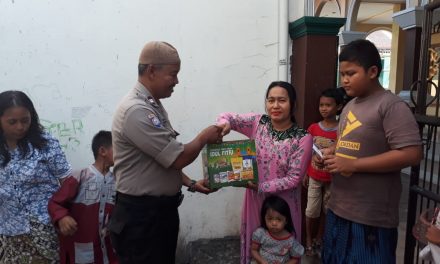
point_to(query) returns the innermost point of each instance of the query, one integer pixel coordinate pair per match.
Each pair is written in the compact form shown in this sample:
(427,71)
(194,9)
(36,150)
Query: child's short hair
(102,139)
(363,52)
(281,206)
(335,94)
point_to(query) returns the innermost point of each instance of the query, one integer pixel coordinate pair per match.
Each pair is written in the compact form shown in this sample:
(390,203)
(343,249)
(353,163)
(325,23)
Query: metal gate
(424,178)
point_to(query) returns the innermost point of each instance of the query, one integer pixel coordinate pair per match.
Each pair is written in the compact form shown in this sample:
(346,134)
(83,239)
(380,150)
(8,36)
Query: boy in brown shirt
(377,137)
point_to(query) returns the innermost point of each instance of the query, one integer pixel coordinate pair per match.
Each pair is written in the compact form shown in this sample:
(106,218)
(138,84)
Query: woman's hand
(226,128)
(67,225)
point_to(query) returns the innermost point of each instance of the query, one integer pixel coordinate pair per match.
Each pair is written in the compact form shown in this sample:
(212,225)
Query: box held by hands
(231,163)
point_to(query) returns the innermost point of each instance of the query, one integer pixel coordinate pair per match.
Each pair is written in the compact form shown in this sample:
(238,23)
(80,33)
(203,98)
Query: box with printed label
(231,163)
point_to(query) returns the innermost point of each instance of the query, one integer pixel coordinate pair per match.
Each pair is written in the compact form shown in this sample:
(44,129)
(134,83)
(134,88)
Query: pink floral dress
(282,159)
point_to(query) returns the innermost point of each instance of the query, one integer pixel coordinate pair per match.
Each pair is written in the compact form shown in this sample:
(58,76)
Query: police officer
(149,161)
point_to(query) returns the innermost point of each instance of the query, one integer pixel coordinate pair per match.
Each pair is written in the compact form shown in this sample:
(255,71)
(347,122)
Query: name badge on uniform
(154,120)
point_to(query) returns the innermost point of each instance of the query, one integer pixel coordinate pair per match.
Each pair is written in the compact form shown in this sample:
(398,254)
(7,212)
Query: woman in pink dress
(283,152)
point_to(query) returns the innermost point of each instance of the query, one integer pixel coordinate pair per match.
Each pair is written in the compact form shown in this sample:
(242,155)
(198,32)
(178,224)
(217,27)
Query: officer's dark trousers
(144,229)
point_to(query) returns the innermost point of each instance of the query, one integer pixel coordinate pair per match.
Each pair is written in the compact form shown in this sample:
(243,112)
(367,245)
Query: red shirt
(322,138)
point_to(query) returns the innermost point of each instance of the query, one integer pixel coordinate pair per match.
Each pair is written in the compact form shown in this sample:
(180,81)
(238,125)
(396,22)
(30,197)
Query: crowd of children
(352,177)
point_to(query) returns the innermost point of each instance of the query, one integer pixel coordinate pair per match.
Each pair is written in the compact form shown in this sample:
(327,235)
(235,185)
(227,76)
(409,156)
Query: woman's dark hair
(280,205)
(290,91)
(34,135)
(102,139)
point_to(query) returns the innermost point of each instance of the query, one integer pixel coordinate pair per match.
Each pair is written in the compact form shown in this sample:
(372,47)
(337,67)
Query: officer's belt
(150,201)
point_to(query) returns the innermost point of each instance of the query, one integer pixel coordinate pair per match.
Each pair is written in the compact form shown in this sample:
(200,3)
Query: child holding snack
(283,151)
(81,208)
(274,241)
(317,180)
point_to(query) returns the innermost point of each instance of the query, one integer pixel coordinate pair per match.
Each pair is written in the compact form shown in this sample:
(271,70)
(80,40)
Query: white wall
(76,59)
(298,9)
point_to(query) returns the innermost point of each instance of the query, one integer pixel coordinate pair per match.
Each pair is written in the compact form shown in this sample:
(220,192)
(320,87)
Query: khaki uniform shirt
(144,147)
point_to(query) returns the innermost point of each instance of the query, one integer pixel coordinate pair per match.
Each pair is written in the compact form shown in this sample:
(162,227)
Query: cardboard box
(231,163)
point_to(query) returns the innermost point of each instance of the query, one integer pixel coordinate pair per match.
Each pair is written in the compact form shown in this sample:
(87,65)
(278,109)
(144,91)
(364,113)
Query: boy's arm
(58,205)
(255,247)
(392,160)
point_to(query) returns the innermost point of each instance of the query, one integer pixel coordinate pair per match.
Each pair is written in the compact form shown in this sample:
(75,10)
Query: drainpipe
(283,39)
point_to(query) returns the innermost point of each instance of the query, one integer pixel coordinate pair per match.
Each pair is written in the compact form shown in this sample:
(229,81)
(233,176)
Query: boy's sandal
(309,251)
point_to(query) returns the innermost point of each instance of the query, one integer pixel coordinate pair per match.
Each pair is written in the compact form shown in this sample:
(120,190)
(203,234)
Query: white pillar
(283,39)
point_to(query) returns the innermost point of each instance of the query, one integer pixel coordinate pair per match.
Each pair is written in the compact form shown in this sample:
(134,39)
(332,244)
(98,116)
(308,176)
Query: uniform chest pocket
(92,191)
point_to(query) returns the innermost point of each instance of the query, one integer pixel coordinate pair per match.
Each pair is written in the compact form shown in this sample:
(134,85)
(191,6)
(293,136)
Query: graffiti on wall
(68,133)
